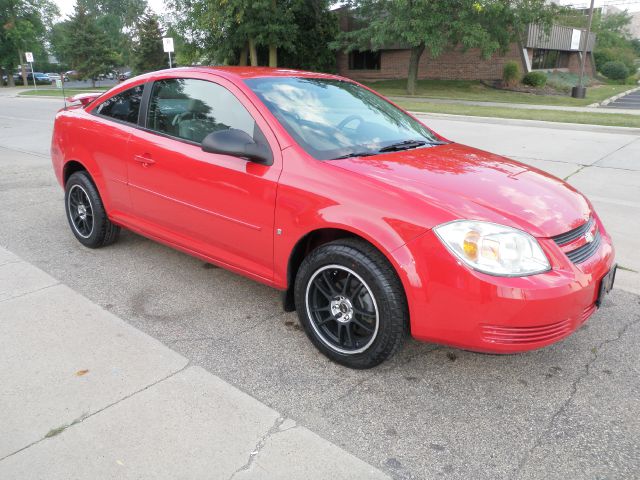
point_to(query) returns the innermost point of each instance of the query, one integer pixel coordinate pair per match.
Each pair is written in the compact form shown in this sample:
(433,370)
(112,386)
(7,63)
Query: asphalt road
(628,101)
(568,411)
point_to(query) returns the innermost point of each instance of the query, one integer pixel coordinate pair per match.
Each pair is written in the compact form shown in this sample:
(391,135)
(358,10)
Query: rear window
(124,107)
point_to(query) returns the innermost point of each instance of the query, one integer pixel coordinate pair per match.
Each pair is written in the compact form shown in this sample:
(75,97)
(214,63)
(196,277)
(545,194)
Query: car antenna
(64,97)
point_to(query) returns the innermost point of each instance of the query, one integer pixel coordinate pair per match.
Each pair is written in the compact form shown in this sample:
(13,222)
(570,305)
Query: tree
(232,31)
(148,54)
(23,27)
(88,46)
(118,20)
(317,27)
(438,25)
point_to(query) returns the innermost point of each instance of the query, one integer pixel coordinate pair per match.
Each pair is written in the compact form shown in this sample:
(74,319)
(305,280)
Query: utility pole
(580,91)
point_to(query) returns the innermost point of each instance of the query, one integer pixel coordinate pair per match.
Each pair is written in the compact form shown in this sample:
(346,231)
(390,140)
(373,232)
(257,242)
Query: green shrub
(615,70)
(535,79)
(615,54)
(511,73)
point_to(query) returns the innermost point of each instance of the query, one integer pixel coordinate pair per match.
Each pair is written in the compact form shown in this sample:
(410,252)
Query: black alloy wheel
(342,309)
(351,303)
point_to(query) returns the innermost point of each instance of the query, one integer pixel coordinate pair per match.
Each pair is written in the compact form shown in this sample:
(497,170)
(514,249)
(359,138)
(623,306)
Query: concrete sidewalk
(86,395)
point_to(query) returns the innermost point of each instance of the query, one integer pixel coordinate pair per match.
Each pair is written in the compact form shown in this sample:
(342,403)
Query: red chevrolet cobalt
(371,224)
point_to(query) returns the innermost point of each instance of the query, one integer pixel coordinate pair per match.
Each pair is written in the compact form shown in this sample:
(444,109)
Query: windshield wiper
(407,144)
(355,154)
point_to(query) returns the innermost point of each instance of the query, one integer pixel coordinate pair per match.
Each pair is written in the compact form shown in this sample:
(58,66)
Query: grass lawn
(57,92)
(476,91)
(608,119)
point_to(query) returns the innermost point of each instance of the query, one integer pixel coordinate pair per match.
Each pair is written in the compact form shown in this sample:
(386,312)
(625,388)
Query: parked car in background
(124,76)
(39,76)
(371,224)
(56,76)
(17,78)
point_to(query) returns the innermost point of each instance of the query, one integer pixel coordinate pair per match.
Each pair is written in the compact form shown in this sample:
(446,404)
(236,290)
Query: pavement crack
(29,292)
(58,430)
(577,171)
(275,428)
(595,351)
(615,151)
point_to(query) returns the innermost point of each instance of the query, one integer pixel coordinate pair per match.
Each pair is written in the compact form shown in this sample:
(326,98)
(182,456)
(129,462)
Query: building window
(366,60)
(548,59)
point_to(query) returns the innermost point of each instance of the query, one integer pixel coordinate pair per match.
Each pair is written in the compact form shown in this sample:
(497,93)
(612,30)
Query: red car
(371,224)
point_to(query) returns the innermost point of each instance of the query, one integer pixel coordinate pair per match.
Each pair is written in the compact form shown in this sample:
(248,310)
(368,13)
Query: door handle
(145,159)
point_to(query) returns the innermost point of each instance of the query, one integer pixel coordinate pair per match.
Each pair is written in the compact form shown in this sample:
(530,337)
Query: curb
(614,98)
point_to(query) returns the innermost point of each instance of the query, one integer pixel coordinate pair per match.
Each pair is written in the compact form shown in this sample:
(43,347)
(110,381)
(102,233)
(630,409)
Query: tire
(86,214)
(351,303)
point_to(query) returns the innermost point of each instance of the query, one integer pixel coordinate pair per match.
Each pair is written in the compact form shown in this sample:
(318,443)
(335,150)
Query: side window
(124,106)
(192,109)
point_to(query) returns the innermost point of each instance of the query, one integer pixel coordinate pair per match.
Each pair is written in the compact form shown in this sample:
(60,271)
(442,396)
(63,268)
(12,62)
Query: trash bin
(579,92)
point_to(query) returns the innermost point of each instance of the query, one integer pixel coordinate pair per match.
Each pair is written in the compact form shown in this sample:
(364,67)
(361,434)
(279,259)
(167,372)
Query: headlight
(493,249)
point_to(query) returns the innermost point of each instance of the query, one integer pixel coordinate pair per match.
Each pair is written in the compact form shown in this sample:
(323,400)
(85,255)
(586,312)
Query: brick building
(560,49)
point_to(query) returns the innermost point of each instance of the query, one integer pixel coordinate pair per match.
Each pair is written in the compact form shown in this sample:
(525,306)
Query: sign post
(580,91)
(29,57)
(167,44)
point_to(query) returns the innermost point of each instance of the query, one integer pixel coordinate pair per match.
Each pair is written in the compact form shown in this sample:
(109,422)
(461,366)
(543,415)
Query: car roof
(241,73)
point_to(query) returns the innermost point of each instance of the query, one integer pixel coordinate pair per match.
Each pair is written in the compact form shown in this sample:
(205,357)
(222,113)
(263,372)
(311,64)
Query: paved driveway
(568,411)
(631,101)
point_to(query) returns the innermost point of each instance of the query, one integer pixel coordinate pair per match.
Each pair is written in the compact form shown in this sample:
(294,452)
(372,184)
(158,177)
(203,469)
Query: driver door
(216,205)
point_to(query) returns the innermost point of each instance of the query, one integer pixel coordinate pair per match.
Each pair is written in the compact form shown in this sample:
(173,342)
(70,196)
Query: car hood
(473,184)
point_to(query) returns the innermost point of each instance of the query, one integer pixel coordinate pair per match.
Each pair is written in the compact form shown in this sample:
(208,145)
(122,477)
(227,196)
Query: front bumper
(452,304)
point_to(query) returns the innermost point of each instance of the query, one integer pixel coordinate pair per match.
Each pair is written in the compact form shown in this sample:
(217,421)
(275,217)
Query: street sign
(58,83)
(29,56)
(167,43)
(576,35)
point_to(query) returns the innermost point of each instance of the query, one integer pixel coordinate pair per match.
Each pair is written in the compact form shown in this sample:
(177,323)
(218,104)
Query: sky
(630,5)
(66,6)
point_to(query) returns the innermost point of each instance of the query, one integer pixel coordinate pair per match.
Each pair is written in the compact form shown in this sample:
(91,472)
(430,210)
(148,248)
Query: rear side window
(192,109)
(124,107)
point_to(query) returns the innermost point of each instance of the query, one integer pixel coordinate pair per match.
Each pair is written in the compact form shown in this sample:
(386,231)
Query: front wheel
(351,303)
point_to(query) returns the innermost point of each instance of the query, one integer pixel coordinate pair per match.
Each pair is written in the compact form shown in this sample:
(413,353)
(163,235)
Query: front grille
(580,254)
(571,235)
(525,335)
(583,252)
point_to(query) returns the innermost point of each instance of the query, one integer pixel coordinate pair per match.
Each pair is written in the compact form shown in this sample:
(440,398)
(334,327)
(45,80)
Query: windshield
(334,119)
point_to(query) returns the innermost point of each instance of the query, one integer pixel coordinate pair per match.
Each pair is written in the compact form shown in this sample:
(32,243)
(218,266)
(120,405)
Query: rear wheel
(351,303)
(85,212)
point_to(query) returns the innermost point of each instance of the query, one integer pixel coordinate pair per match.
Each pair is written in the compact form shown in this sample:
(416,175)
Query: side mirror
(237,143)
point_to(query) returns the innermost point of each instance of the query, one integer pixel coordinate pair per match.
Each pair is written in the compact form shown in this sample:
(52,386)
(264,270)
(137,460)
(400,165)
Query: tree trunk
(244,54)
(23,69)
(414,63)
(10,80)
(273,56)
(253,53)
(2,75)
(273,49)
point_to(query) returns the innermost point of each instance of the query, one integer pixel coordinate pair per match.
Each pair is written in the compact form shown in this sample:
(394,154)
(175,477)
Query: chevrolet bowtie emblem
(588,237)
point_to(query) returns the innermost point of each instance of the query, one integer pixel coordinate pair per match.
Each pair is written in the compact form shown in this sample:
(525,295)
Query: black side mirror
(237,143)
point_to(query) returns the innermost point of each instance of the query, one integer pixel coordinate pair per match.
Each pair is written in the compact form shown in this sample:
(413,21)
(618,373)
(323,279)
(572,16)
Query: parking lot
(568,411)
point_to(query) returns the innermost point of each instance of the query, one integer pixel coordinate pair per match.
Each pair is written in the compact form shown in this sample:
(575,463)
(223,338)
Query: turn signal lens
(470,245)
(493,249)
